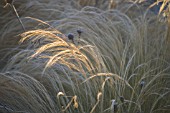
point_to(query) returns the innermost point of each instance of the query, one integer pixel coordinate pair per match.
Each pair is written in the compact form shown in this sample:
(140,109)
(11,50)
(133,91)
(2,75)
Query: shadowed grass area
(22,93)
(118,63)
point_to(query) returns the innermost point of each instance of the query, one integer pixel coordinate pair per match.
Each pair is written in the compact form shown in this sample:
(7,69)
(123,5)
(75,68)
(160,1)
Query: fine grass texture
(117,61)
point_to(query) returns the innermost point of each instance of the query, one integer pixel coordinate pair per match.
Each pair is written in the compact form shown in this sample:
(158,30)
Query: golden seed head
(75,102)
(76,105)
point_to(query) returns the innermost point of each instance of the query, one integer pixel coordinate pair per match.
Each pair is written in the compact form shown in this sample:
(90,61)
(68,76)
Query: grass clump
(114,62)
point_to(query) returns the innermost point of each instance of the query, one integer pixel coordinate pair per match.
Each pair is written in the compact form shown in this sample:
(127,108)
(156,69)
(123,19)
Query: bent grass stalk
(16,13)
(115,51)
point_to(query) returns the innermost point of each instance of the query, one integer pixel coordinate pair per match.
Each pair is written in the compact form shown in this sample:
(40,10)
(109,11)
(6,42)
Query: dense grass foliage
(83,56)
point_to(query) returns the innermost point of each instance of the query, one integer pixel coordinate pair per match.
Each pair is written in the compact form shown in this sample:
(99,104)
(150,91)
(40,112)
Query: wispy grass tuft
(118,64)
